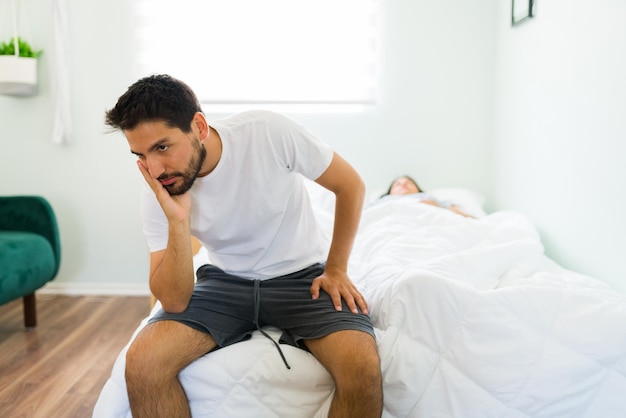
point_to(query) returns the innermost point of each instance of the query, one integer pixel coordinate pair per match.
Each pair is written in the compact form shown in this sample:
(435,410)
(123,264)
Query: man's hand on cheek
(175,207)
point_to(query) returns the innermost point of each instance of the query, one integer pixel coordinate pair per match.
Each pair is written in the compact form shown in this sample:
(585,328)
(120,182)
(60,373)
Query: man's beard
(189,175)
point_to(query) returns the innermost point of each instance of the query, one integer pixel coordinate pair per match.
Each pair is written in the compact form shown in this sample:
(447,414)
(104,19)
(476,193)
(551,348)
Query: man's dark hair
(155,98)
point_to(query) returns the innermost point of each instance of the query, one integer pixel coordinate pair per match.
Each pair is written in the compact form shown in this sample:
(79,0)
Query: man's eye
(163,147)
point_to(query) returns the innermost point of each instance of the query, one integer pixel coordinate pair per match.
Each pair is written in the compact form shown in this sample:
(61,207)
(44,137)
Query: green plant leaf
(8,48)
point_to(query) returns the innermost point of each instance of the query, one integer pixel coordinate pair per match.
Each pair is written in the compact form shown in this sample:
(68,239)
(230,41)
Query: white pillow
(466,199)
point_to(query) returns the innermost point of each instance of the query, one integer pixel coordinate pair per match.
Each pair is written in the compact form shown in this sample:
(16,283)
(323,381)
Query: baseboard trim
(95,289)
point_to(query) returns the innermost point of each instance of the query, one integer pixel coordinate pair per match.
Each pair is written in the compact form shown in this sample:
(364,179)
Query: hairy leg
(351,358)
(160,351)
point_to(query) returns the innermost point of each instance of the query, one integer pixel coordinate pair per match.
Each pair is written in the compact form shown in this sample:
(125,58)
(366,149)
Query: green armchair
(30,250)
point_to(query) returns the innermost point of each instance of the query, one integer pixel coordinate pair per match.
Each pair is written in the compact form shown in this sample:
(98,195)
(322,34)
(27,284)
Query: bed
(471,318)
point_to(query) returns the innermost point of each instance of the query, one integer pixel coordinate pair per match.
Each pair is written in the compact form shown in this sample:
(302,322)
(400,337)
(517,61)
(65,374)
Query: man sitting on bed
(238,186)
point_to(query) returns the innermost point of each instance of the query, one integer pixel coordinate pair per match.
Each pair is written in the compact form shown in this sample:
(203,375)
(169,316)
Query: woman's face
(403,185)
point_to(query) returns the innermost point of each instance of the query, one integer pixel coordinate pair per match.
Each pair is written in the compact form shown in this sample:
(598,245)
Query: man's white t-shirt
(252,212)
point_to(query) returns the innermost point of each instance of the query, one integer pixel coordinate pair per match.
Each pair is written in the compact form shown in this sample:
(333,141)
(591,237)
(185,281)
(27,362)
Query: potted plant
(18,68)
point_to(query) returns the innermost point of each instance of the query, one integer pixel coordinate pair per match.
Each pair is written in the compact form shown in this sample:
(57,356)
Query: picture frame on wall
(521,10)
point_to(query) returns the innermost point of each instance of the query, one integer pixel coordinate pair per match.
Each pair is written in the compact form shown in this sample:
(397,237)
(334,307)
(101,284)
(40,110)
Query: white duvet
(472,320)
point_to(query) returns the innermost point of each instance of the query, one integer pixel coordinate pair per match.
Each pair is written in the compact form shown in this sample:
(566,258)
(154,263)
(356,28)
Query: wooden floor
(58,369)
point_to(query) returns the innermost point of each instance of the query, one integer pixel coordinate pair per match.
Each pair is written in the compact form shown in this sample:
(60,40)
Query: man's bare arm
(172,275)
(343,180)
(171,270)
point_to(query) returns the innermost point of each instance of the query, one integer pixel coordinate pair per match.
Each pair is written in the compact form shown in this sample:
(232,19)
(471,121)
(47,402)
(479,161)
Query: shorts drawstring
(257,307)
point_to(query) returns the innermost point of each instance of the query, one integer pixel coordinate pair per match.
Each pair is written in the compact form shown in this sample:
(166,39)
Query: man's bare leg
(160,351)
(351,358)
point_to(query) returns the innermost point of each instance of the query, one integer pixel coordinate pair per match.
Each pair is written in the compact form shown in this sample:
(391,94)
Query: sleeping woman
(405,185)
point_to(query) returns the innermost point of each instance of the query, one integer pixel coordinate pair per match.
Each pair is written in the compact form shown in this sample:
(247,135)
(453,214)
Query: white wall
(433,120)
(454,77)
(91,183)
(560,130)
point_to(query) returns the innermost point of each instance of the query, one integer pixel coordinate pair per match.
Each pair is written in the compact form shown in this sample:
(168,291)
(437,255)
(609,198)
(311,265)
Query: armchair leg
(30,311)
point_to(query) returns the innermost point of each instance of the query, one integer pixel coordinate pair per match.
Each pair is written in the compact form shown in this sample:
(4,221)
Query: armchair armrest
(31,214)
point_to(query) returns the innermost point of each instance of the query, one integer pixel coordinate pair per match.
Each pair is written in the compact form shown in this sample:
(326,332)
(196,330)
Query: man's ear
(200,126)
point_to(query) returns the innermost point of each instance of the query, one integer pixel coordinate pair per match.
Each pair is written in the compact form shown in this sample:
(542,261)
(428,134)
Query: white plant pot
(18,75)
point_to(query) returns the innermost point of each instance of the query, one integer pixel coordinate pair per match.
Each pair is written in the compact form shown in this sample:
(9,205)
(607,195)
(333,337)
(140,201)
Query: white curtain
(59,75)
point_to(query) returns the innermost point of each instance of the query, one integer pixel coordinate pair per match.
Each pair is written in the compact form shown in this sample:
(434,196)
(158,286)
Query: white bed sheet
(472,320)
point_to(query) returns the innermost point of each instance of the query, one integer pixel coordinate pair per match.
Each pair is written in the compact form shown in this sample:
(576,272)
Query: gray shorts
(229,308)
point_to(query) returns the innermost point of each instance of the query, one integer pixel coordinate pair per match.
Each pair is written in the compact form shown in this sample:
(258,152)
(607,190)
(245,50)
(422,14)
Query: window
(285,52)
